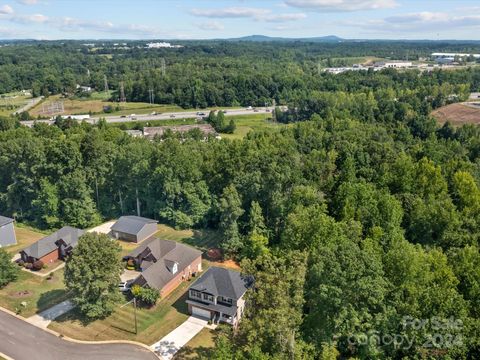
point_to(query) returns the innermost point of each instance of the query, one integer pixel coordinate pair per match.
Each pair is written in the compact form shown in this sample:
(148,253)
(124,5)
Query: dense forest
(211,73)
(360,221)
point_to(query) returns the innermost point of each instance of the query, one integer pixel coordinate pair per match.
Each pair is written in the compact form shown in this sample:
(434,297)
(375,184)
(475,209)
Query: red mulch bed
(214,254)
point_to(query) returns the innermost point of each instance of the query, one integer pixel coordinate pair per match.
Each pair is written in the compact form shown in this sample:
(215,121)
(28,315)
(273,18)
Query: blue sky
(204,19)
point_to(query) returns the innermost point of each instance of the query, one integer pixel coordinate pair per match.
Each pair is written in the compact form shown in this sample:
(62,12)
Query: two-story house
(218,295)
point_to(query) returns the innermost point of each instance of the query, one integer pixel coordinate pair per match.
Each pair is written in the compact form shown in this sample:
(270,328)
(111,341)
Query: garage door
(201,312)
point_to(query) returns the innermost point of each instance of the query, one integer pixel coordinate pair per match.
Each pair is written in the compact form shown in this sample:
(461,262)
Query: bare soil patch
(457,114)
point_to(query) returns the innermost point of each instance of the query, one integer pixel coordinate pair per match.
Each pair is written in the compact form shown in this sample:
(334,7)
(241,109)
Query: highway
(23,341)
(161,116)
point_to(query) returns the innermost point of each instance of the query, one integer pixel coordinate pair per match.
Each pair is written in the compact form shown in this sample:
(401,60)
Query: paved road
(31,103)
(23,341)
(163,116)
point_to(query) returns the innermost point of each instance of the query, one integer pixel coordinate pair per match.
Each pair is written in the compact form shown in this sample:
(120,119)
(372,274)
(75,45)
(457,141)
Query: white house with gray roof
(134,228)
(7,232)
(218,295)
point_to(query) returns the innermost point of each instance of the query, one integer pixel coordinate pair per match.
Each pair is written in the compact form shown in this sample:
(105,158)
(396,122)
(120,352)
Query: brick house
(52,247)
(218,295)
(164,264)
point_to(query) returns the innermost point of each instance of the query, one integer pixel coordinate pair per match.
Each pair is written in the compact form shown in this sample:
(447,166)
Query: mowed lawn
(25,237)
(37,293)
(255,122)
(199,346)
(153,323)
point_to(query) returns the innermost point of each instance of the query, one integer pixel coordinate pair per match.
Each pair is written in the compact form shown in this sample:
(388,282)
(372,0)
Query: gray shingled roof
(223,282)
(131,224)
(5,220)
(166,252)
(46,245)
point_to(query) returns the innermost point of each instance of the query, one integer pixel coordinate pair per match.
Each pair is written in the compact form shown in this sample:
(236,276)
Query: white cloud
(421,21)
(29,19)
(28,2)
(257,14)
(284,17)
(211,26)
(342,5)
(231,12)
(6,10)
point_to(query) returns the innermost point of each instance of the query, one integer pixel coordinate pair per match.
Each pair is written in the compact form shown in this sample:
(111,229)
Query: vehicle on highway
(172,116)
(201,113)
(249,108)
(154,113)
(123,116)
(255,110)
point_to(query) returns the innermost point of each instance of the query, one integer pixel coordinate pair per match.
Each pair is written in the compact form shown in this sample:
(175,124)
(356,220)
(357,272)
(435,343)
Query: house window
(196,294)
(225,300)
(208,297)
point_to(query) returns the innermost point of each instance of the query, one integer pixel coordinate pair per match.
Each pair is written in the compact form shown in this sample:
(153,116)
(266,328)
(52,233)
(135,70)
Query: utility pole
(135,312)
(138,202)
(163,66)
(122,93)
(105,83)
(151,96)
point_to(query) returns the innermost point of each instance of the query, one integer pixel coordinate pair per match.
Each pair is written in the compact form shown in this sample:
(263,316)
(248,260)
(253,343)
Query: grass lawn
(25,237)
(201,239)
(96,102)
(12,101)
(153,324)
(200,345)
(37,292)
(247,123)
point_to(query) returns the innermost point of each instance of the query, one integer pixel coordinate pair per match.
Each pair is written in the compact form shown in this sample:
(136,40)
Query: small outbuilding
(134,228)
(7,232)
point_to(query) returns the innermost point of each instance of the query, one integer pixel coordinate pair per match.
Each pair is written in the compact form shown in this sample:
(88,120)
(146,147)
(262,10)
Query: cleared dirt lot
(458,114)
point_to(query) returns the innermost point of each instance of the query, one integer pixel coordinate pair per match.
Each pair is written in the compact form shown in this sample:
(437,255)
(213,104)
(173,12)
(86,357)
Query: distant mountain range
(263,38)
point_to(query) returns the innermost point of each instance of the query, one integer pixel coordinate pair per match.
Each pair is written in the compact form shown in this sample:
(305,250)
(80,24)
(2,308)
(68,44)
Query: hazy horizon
(224,19)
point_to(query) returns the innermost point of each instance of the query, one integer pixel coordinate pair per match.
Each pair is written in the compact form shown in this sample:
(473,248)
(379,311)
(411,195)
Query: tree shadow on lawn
(202,239)
(180,305)
(188,352)
(51,298)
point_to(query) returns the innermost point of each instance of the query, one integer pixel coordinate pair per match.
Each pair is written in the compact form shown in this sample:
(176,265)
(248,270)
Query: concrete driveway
(44,318)
(104,228)
(167,347)
(23,341)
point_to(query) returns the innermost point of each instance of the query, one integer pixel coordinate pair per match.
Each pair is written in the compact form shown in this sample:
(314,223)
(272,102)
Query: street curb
(6,357)
(52,332)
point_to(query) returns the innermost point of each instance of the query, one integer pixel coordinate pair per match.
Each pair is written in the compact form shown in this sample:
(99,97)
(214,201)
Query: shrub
(8,269)
(37,265)
(28,266)
(21,262)
(149,296)
(136,290)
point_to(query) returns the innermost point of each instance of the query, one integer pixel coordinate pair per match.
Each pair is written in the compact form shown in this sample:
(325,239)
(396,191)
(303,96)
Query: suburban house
(52,247)
(164,264)
(7,232)
(218,295)
(134,228)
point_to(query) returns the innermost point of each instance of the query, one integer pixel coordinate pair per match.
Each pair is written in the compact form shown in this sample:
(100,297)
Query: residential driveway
(44,318)
(23,341)
(171,343)
(129,275)
(104,228)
